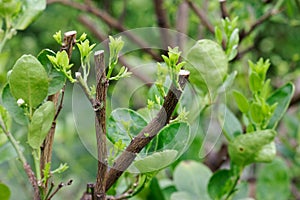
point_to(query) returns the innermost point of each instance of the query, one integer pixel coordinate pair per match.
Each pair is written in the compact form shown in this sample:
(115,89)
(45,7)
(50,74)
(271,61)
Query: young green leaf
(282,97)
(241,101)
(29,81)
(10,103)
(5,119)
(4,192)
(255,82)
(218,35)
(40,124)
(256,113)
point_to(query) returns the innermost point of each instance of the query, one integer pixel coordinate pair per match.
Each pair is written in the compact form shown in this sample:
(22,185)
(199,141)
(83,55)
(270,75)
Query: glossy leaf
(282,97)
(208,65)
(252,147)
(4,192)
(30,10)
(29,81)
(220,183)
(192,177)
(273,181)
(40,124)
(56,79)
(173,136)
(230,124)
(156,161)
(124,124)
(241,101)
(10,103)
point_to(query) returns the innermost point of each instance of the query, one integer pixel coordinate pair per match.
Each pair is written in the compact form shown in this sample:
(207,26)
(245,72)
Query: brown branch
(112,22)
(46,148)
(202,16)
(33,181)
(214,160)
(59,187)
(151,130)
(223,8)
(162,22)
(101,37)
(181,24)
(100,122)
(258,22)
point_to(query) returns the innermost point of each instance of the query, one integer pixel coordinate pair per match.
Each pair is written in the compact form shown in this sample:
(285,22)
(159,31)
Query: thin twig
(181,25)
(59,187)
(223,8)
(202,16)
(151,130)
(111,21)
(100,123)
(101,37)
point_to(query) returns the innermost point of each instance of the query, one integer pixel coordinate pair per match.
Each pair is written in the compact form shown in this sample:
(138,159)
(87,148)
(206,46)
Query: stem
(140,141)
(100,123)
(85,87)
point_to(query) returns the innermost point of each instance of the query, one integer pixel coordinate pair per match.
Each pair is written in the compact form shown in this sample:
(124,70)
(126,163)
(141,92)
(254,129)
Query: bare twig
(46,148)
(202,16)
(151,130)
(181,24)
(162,22)
(101,37)
(101,92)
(223,8)
(59,187)
(112,22)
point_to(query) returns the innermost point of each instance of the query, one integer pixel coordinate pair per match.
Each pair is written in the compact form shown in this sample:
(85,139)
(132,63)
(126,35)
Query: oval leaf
(192,177)
(220,183)
(4,192)
(282,97)
(208,65)
(156,161)
(29,81)
(241,101)
(10,103)
(124,124)
(40,124)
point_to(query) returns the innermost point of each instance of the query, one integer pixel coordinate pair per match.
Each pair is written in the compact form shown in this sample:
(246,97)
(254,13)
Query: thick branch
(100,122)
(162,22)
(151,130)
(101,37)
(46,148)
(111,21)
(202,16)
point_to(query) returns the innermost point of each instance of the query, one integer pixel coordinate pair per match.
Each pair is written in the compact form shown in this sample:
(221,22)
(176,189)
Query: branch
(59,187)
(181,24)
(140,141)
(100,122)
(162,22)
(202,16)
(223,8)
(111,21)
(101,37)
(46,148)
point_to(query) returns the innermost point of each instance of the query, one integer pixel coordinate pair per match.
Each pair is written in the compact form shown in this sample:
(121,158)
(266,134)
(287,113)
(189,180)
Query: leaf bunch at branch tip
(115,46)
(84,47)
(57,37)
(61,64)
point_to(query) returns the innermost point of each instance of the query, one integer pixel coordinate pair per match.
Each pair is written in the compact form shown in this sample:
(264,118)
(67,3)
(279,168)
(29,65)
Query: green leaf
(252,147)
(220,183)
(282,97)
(56,79)
(5,118)
(156,161)
(255,82)
(241,101)
(230,124)
(4,192)
(273,181)
(30,10)
(208,65)
(173,136)
(28,81)
(228,82)
(183,195)
(192,177)
(218,35)
(7,152)
(256,113)
(9,8)
(124,124)
(10,103)
(40,124)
